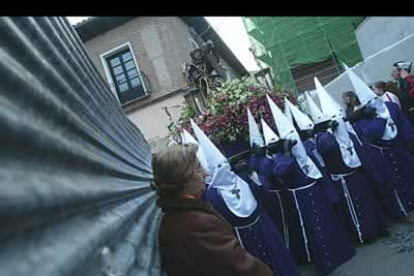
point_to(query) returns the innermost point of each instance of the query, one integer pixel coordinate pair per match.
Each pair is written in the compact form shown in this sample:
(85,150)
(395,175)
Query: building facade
(299,48)
(142,58)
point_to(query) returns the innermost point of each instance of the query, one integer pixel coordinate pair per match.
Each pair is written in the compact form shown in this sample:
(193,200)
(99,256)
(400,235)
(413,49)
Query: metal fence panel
(74,171)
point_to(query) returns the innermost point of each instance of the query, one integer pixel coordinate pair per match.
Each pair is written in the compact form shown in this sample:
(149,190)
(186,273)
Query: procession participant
(388,140)
(322,123)
(381,89)
(193,238)
(402,73)
(364,216)
(234,200)
(304,127)
(324,239)
(267,190)
(187,138)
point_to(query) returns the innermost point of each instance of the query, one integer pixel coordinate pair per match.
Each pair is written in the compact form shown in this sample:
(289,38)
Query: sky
(231,30)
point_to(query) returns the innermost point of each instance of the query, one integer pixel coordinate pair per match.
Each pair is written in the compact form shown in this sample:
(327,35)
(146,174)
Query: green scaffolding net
(283,43)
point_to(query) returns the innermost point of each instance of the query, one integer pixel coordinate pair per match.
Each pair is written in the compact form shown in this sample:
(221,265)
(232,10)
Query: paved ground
(388,256)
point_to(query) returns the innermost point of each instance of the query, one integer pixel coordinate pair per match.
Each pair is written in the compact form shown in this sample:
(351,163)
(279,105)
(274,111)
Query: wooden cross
(350,150)
(236,192)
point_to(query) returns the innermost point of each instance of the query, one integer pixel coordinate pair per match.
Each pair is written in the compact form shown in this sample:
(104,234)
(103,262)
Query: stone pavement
(388,256)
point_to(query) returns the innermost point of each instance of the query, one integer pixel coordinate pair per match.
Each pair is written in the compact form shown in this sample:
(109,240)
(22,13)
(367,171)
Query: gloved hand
(258,151)
(333,125)
(369,112)
(364,112)
(275,147)
(288,145)
(321,127)
(241,166)
(306,134)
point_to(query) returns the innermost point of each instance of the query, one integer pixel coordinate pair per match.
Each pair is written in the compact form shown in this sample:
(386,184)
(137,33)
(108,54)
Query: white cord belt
(395,191)
(236,229)
(378,147)
(351,208)
(302,224)
(400,203)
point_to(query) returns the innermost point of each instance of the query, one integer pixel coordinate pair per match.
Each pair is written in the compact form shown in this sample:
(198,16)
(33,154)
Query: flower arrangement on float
(225,118)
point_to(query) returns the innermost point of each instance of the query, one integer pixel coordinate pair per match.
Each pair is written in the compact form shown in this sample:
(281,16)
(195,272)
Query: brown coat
(196,241)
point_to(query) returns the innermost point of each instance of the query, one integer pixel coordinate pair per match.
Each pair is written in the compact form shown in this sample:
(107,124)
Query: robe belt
(285,226)
(351,208)
(400,203)
(302,224)
(379,146)
(236,229)
(395,191)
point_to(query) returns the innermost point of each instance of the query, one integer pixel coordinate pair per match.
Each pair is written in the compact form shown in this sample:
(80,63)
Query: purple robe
(271,194)
(389,165)
(364,218)
(326,183)
(314,230)
(258,235)
(204,194)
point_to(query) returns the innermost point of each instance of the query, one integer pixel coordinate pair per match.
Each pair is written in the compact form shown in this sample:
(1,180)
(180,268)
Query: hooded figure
(305,125)
(232,198)
(314,112)
(258,173)
(387,138)
(187,138)
(363,215)
(315,234)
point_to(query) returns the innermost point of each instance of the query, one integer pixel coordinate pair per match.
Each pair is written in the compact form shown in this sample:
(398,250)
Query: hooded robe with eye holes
(315,234)
(232,197)
(268,190)
(384,142)
(361,211)
(304,123)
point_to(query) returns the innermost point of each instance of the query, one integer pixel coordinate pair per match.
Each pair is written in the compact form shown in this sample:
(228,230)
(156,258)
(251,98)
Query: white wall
(152,119)
(376,33)
(374,68)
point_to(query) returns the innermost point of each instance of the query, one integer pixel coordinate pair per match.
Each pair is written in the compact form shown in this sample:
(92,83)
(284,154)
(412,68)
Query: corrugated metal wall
(74,171)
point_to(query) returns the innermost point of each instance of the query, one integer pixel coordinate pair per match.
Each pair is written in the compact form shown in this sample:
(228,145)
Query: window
(125,75)
(326,71)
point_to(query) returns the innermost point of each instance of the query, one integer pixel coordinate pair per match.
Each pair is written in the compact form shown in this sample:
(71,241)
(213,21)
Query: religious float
(224,118)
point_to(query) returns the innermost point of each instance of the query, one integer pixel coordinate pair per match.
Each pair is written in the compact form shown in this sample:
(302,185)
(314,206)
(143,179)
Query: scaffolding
(283,43)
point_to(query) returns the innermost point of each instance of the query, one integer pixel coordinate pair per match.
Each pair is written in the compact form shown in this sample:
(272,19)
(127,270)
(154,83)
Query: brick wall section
(160,46)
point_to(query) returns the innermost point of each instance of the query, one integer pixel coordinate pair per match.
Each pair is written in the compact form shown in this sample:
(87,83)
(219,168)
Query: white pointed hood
(329,106)
(269,134)
(288,131)
(255,136)
(288,112)
(314,112)
(334,111)
(284,127)
(187,138)
(367,97)
(302,120)
(236,192)
(364,93)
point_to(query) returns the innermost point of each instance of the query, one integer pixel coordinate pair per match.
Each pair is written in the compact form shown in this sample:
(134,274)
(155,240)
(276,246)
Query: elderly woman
(194,239)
